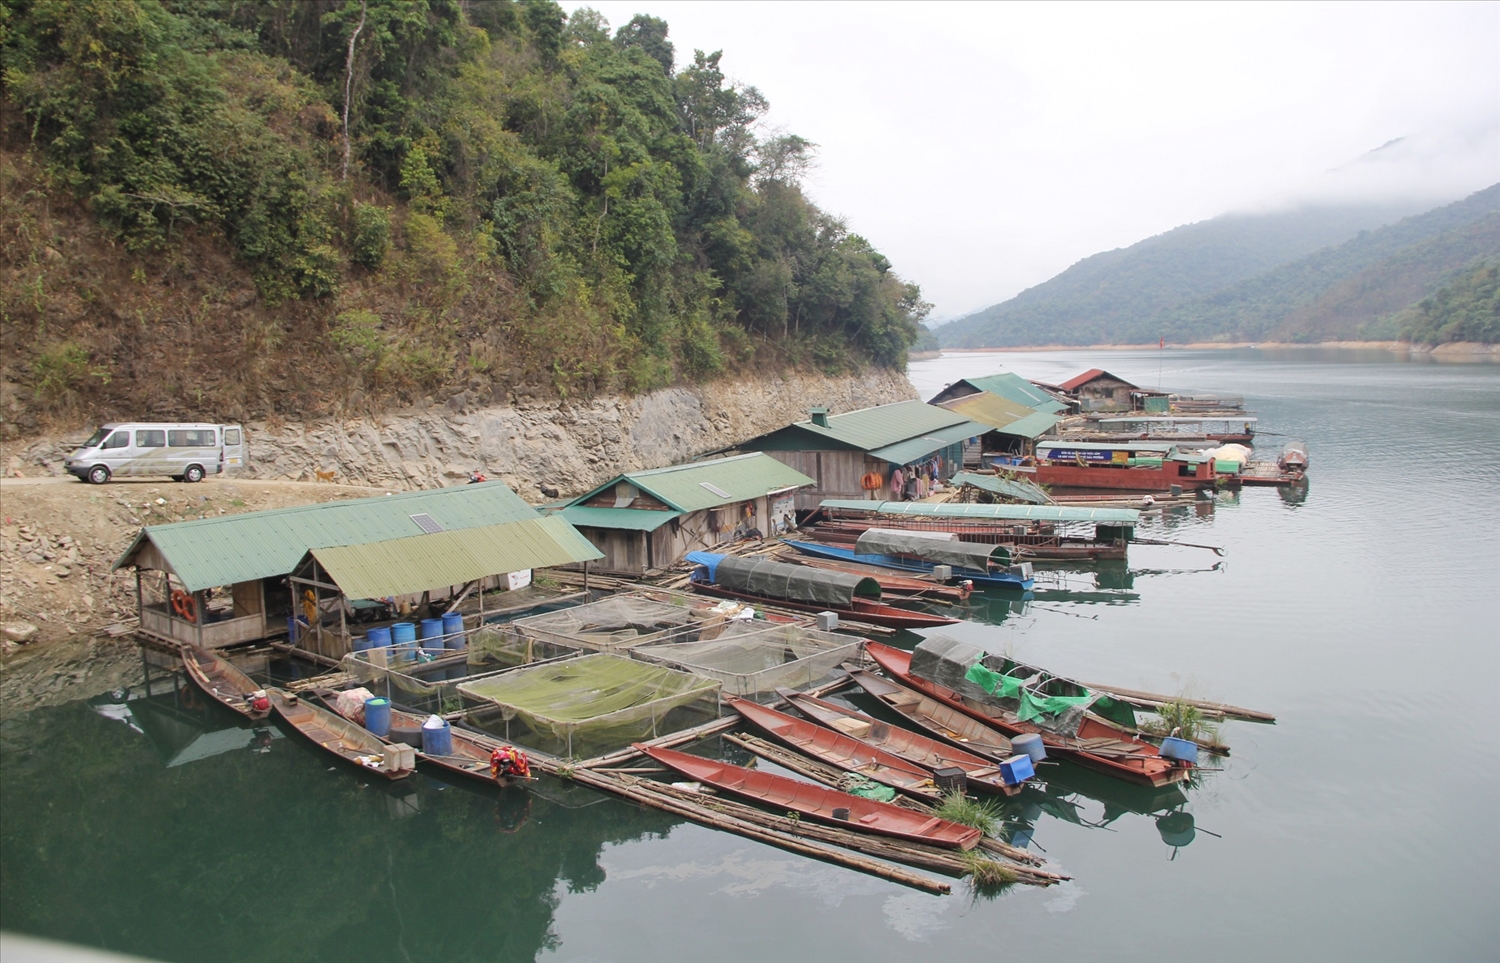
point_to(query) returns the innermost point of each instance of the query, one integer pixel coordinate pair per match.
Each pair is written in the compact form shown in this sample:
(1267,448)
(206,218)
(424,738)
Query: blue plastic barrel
(1031,744)
(431,629)
(437,737)
(362,642)
(404,632)
(379,637)
(1181,750)
(378,716)
(453,631)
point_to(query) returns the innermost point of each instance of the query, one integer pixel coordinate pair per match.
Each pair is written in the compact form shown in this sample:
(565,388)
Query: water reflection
(1086,798)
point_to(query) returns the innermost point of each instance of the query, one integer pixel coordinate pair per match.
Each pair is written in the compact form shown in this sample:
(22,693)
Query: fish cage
(752,659)
(399,673)
(592,703)
(617,624)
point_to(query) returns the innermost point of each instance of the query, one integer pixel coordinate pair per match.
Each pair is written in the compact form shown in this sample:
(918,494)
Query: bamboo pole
(1223,708)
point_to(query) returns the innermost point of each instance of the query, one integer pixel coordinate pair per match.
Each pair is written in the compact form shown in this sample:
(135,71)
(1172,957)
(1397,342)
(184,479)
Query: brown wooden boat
(469,758)
(349,742)
(937,718)
(1031,545)
(876,613)
(840,749)
(1098,744)
(930,754)
(816,802)
(221,681)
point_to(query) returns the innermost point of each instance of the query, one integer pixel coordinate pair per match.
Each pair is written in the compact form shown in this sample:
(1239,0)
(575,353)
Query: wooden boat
(225,684)
(920,750)
(937,718)
(904,563)
(332,732)
(784,793)
(890,583)
(840,749)
(1108,467)
(860,610)
(1098,744)
(1032,543)
(469,759)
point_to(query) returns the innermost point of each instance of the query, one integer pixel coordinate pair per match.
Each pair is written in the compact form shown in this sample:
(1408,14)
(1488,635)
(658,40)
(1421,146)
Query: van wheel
(98,475)
(194,473)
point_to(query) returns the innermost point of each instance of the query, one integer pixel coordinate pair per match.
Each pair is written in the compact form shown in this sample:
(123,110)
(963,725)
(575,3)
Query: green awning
(1019,488)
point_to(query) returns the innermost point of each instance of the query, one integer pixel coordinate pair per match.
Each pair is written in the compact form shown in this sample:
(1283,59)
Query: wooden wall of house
(836,474)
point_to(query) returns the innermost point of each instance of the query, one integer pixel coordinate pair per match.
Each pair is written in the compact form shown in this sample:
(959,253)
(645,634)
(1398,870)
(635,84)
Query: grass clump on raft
(987,877)
(1187,720)
(958,808)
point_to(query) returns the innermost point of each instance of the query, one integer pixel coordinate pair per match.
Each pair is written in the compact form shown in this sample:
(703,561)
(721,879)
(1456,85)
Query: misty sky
(985,147)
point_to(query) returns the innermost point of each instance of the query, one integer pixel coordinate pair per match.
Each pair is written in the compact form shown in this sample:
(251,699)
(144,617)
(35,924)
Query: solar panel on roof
(427,523)
(714,488)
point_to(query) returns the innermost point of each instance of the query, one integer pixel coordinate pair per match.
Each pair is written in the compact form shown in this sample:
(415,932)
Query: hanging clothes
(898,481)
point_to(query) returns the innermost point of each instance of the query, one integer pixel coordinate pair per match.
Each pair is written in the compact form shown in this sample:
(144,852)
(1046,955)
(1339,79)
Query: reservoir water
(1361,826)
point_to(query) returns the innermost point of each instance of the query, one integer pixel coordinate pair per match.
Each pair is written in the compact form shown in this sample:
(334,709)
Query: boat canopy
(1020,488)
(1028,513)
(942,548)
(795,583)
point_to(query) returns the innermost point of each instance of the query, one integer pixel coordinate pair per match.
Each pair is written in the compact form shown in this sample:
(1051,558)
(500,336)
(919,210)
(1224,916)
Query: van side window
(150,438)
(191,438)
(231,436)
(120,439)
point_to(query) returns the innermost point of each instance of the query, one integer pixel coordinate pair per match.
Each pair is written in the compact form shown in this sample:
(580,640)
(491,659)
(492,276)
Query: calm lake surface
(1361,826)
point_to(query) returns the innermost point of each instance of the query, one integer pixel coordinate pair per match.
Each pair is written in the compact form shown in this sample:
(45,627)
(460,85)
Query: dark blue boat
(906,563)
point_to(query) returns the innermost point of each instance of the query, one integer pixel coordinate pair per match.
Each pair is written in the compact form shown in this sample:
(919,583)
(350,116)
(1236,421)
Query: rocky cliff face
(567,446)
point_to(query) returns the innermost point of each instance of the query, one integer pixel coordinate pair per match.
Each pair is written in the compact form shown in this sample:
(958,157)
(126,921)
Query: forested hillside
(214,208)
(1465,308)
(1350,289)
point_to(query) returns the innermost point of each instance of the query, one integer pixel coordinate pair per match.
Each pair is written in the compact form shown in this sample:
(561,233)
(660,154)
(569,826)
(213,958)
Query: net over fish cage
(401,677)
(754,658)
(616,623)
(596,700)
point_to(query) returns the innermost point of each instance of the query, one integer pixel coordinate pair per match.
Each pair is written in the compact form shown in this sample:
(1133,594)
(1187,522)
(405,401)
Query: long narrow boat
(469,757)
(840,749)
(890,583)
(1098,744)
(1032,544)
(904,564)
(937,718)
(930,754)
(221,681)
(349,742)
(816,802)
(876,613)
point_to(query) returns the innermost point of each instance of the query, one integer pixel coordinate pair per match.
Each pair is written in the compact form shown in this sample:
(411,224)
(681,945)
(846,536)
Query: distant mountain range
(1330,273)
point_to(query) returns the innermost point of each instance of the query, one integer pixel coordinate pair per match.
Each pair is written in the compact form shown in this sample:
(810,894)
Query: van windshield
(96,437)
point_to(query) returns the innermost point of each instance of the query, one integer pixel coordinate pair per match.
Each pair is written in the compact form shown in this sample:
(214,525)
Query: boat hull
(333,733)
(871,612)
(222,682)
(1032,547)
(909,565)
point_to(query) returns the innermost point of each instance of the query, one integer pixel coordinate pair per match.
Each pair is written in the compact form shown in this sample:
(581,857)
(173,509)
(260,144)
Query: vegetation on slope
(219,208)
(1465,308)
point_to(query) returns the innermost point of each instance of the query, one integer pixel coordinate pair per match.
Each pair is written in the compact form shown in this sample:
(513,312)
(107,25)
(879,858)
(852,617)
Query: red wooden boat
(876,613)
(1093,467)
(938,718)
(1098,745)
(930,754)
(816,802)
(469,758)
(221,681)
(839,749)
(349,742)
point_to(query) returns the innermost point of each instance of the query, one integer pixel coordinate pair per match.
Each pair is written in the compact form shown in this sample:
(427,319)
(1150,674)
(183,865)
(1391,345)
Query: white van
(186,452)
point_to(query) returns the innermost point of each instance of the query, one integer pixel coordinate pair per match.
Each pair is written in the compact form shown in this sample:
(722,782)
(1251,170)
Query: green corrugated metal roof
(1045,513)
(420,562)
(1002,414)
(239,548)
(740,477)
(878,427)
(1050,444)
(1018,389)
(1026,491)
(904,452)
(628,519)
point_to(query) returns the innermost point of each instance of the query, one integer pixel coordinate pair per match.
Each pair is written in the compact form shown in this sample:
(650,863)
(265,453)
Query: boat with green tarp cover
(1074,722)
(800,587)
(600,699)
(918,551)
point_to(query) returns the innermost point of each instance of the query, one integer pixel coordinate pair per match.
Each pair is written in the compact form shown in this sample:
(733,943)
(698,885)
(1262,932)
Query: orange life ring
(871,481)
(183,605)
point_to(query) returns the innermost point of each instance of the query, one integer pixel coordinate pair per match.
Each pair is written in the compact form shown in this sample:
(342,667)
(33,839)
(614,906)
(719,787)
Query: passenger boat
(1124,466)
(799,587)
(839,749)
(221,681)
(1033,543)
(784,793)
(349,742)
(469,758)
(906,563)
(1098,744)
(1037,532)
(935,717)
(920,750)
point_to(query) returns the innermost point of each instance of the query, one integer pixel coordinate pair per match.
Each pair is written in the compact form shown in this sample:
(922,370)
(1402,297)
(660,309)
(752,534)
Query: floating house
(1017,412)
(649,520)
(226,580)
(1098,390)
(857,454)
(1011,387)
